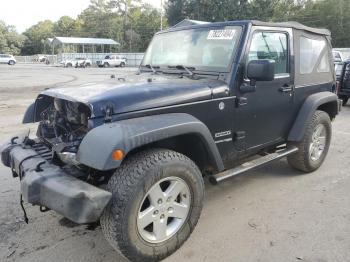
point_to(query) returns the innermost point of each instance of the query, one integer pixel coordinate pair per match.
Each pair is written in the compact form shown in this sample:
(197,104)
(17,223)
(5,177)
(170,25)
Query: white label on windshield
(224,34)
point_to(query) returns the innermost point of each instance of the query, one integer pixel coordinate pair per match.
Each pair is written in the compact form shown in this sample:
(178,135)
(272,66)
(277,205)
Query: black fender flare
(310,105)
(97,146)
(29,115)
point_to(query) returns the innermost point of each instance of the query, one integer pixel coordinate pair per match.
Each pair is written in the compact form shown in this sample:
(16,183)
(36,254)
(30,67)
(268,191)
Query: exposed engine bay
(63,124)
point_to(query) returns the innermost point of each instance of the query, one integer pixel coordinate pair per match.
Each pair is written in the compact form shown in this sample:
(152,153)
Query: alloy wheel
(164,210)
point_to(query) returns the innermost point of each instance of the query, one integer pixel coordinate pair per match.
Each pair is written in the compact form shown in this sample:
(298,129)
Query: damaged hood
(138,92)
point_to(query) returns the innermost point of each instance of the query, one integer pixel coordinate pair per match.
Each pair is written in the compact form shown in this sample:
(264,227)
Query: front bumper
(45,184)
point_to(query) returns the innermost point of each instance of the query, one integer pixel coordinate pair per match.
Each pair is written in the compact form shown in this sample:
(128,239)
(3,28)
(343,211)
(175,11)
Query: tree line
(331,14)
(132,23)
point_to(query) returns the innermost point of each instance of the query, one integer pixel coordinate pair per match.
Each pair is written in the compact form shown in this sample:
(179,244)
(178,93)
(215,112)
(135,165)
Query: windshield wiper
(154,71)
(189,70)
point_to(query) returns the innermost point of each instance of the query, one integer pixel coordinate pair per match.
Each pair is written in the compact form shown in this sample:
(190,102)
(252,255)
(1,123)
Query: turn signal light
(118,155)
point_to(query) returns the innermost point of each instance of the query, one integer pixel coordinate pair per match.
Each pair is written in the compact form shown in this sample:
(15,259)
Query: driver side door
(267,113)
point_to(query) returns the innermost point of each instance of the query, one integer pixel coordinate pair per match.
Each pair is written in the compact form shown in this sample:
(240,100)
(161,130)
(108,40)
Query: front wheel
(122,64)
(11,62)
(315,144)
(156,203)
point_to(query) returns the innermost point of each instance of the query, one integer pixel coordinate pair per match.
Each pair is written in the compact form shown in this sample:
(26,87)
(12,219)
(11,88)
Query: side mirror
(261,70)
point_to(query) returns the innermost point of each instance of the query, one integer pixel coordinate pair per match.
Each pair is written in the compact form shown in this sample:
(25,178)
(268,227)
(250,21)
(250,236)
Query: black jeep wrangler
(210,100)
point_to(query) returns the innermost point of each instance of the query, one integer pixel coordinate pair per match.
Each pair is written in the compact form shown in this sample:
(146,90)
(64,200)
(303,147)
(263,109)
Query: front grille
(43,151)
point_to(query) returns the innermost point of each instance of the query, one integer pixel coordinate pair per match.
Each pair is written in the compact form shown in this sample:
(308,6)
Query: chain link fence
(132,59)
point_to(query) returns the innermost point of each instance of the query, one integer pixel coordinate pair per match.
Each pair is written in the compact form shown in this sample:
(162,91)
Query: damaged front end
(62,126)
(49,173)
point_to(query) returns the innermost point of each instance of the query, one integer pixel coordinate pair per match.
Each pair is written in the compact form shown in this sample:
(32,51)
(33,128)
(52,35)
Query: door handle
(241,101)
(286,88)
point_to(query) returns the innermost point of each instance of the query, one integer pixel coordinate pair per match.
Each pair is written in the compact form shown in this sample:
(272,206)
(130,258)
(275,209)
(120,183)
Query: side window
(271,45)
(312,54)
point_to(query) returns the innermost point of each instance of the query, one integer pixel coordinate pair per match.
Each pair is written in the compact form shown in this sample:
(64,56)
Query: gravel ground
(273,214)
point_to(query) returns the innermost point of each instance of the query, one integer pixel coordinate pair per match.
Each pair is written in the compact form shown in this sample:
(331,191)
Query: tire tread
(123,183)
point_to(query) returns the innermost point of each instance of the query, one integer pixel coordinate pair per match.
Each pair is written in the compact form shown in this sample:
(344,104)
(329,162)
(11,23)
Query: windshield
(208,49)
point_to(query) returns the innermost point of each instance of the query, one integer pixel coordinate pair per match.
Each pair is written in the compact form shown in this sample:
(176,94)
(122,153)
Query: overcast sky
(25,13)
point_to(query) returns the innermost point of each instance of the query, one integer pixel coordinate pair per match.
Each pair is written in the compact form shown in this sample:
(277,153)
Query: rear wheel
(315,144)
(156,203)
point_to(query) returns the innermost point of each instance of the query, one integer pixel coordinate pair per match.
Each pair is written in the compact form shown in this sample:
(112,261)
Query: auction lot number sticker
(222,34)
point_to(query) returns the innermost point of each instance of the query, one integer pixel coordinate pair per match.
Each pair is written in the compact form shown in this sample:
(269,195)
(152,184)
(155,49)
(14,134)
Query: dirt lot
(274,214)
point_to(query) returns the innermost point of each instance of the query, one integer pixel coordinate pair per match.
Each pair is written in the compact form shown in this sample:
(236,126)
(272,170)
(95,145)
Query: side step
(254,164)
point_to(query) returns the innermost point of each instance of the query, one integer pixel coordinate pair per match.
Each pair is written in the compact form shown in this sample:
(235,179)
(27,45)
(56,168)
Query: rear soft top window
(313,59)
(312,53)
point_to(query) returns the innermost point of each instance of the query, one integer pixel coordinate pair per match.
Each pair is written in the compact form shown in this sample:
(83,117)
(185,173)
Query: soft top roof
(295,25)
(291,24)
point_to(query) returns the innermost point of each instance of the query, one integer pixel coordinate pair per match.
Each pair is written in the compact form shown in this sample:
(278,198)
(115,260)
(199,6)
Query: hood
(138,92)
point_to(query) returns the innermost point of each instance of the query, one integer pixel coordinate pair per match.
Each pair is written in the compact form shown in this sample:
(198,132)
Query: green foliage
(10,41)
(35,42)
(331,14)
(66,26)
(129,22)
(133,23)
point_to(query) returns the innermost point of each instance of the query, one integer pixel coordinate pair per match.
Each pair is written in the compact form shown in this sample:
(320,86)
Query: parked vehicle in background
(337,56)
(343,80)
(112,60)
(40,58)
(67,63)
(82,62)
(340,54)
(77,62)
(7,59)
(212,100)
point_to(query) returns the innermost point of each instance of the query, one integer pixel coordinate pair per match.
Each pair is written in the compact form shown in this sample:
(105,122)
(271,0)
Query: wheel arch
(191,145)
(177,131)
(323,101)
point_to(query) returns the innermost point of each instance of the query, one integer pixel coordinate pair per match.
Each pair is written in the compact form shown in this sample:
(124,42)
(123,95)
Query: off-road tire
(302,160)
(129,184)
